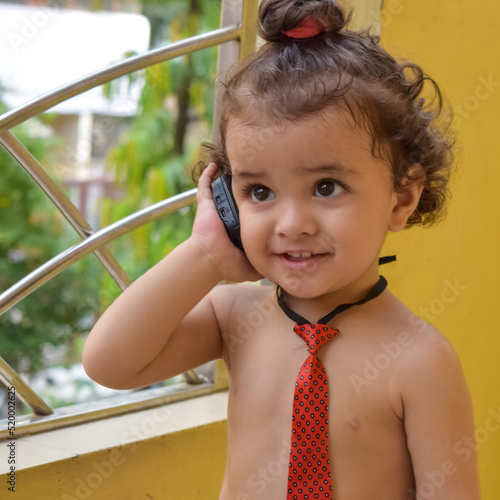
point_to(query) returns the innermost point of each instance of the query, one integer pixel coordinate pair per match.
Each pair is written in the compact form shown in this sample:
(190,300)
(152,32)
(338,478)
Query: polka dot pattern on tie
(309,475)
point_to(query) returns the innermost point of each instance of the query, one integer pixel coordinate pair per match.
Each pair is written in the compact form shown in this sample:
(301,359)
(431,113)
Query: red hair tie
(307,28)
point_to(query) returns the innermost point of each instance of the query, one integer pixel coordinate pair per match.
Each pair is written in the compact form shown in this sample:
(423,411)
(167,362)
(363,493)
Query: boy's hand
(210,234)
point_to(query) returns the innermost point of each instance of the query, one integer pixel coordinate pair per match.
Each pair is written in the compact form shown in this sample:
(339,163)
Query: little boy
(316,199)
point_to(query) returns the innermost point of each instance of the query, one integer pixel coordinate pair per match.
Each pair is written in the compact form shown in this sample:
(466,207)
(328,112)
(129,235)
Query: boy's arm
(439,423)
(166,321)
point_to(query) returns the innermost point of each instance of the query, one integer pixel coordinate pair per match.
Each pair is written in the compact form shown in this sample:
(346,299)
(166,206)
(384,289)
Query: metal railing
(236,39)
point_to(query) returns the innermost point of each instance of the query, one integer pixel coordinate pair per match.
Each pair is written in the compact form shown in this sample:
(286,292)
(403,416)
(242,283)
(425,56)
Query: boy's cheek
(252,225)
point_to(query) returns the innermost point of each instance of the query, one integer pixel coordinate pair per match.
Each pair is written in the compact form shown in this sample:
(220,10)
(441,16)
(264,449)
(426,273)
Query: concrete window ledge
(176,451)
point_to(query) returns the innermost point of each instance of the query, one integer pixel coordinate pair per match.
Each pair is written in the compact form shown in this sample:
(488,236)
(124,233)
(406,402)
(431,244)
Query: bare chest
(364,433)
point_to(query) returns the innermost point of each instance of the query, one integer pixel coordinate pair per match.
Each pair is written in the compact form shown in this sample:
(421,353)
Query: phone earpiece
(227,209)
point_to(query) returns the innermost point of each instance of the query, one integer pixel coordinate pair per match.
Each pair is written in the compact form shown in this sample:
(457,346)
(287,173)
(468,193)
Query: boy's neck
(315,308)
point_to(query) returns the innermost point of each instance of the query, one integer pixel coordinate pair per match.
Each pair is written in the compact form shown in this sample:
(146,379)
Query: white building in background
(42,48)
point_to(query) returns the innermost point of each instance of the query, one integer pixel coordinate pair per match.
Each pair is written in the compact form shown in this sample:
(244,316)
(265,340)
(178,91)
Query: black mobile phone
(227,208)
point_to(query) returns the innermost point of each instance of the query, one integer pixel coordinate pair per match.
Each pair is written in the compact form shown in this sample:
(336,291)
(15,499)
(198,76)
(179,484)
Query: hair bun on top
(285,20)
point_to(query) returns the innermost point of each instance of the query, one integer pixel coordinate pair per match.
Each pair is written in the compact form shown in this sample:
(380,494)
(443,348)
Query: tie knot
(315,335)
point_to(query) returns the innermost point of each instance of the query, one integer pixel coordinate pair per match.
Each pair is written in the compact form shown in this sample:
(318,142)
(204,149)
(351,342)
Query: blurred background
(115,149)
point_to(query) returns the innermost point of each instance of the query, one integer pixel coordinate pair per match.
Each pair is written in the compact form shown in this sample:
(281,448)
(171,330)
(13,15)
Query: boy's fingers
(205,181)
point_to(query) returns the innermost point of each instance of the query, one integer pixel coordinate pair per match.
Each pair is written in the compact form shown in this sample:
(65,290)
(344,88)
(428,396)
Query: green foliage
(150,164)
(32,232)
(154,160)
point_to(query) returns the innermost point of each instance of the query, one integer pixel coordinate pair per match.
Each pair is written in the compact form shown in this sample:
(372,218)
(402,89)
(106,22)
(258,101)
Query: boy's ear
(407,198)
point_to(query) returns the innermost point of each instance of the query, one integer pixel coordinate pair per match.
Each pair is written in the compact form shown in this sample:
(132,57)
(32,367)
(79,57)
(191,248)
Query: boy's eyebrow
(332,168)
(246,174)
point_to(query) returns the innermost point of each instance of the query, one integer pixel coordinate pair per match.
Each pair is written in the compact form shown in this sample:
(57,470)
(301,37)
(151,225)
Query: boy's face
(315,205)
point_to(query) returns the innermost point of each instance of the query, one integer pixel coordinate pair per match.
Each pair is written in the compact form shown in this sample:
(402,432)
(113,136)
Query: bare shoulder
(417,357)
(234,302)
(430,347)
(435,405)
(425,349)
(427,367)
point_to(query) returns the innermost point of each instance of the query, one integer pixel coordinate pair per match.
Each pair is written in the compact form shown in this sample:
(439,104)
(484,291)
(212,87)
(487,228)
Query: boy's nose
(295,220)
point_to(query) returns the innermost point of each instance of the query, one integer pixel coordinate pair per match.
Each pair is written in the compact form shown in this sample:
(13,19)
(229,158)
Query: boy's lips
(298,256)
(300,260)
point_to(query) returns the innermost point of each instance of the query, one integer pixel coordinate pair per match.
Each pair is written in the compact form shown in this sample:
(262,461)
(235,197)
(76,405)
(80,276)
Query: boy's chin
(301,290)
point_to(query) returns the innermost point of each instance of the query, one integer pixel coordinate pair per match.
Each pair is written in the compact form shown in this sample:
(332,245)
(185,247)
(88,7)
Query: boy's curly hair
(290,78)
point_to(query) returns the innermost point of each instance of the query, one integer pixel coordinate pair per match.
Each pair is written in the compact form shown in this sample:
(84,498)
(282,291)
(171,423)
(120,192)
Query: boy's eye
(262,193)
(328,189)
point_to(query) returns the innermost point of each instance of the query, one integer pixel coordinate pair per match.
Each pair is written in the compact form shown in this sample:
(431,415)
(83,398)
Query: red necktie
(309,475)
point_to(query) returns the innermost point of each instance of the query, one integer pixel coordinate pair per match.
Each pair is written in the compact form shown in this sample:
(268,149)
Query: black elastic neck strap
(297,318)
(386,260)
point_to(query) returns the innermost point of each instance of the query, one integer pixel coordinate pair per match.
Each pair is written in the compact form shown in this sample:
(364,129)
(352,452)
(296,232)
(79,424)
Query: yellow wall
(450,274)
(186,465)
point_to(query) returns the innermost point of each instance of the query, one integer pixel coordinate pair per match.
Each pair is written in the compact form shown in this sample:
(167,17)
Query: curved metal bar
(53,267)
(23,391)
(17,150)
(62,261)
(50,99)
(92,241)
